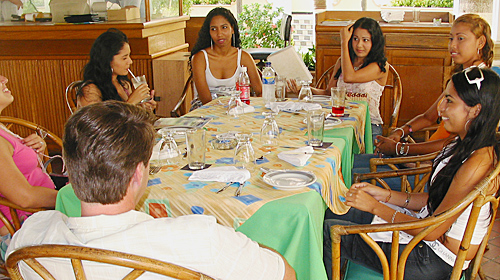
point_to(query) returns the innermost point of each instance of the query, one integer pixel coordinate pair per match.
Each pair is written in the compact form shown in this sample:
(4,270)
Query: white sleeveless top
(217,85)
(456,231)
(374,92)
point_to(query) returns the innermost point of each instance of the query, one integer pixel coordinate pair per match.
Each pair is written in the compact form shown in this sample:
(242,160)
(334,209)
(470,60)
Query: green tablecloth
(291,225)
(297,234)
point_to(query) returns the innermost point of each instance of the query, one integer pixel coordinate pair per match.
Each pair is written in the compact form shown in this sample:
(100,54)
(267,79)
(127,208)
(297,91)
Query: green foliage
(423,3)
(168,8)
(309,58)
(259,26)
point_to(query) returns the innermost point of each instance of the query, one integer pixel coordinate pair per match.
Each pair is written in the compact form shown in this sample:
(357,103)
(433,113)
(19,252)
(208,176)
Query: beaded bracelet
(394,216)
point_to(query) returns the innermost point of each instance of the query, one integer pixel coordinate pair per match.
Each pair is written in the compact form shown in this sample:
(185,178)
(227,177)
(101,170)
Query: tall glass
(315,127)
(269,132)
(195,141)
(338,101)
(244,155)
(280,88)
(137,81)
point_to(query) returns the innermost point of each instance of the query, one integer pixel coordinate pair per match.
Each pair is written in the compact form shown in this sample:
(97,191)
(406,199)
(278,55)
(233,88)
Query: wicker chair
(71,93)
(138,264)
(396,269)
(394,87)
(24,127)
(394,163)
(178,110)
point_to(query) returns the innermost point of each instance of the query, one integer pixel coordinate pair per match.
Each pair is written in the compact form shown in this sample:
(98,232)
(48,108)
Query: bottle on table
(268,84)
(243,85)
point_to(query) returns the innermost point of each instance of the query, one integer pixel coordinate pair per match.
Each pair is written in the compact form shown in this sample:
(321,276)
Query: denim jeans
(376,130)
(422,262)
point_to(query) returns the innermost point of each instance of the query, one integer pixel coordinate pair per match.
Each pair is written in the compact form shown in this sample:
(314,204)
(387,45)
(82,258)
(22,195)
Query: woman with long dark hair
(217,58)
(470,110)
(105,74)
(361,67)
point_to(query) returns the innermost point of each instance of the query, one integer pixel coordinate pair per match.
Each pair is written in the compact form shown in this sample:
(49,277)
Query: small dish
(225,141)
(321,98)
(289,179)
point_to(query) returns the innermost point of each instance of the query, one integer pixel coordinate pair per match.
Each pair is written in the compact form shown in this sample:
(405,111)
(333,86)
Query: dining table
(288,220)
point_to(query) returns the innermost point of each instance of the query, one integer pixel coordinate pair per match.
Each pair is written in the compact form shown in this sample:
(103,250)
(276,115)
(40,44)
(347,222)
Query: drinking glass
(305,92)
(235,106)
(137,81)
(195,141)
(166,151)
(269,132)
(244,155)
(280,88)
(315,127)
(338,101)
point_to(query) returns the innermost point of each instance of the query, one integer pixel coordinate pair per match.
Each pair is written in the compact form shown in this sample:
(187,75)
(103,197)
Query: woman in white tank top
(471,110)
(216,59)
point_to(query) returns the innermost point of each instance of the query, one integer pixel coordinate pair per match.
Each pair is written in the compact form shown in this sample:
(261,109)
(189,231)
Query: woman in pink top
(22,181)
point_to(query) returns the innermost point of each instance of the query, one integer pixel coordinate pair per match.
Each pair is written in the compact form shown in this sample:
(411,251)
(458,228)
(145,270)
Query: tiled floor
(491,259)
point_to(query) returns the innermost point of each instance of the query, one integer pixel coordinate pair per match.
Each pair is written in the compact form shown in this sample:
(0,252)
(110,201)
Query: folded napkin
(246,109)
(297,157)
(221,174)
(292,106)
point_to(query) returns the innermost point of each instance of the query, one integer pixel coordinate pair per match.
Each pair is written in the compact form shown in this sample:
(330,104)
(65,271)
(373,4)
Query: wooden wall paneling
(193,26)
(171,72)
(423,76)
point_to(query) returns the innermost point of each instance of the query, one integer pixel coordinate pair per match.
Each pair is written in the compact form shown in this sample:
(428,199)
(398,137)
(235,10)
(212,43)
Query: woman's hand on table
(364,196)
(291,86)
(35,142)
(385,145)
(140,93)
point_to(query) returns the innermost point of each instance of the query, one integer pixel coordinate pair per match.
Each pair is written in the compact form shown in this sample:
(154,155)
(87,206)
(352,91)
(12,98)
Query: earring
(211,44)
(112,70)
(478,51)
(234,40)
(466,124)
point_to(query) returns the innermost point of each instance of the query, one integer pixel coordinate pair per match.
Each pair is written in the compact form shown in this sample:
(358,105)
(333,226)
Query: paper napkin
(221,174)
(246,109)
(293,106)
(297,157)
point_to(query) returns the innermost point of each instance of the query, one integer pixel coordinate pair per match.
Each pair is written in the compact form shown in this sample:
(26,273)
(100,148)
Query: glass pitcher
(305,91)
(244,155)
(269,132)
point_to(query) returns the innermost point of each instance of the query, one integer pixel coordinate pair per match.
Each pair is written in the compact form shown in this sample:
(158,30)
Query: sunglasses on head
(471,72)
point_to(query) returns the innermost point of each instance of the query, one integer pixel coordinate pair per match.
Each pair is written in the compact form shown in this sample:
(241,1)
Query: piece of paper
(289,64)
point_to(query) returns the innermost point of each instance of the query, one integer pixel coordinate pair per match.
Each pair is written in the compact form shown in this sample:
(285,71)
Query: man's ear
(138,175)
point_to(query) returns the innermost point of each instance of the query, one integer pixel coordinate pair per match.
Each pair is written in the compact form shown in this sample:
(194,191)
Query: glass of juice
(338,101)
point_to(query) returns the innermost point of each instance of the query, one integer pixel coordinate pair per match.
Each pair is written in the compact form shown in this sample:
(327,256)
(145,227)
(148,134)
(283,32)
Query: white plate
(329,123)
(321,98)
(289,179)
